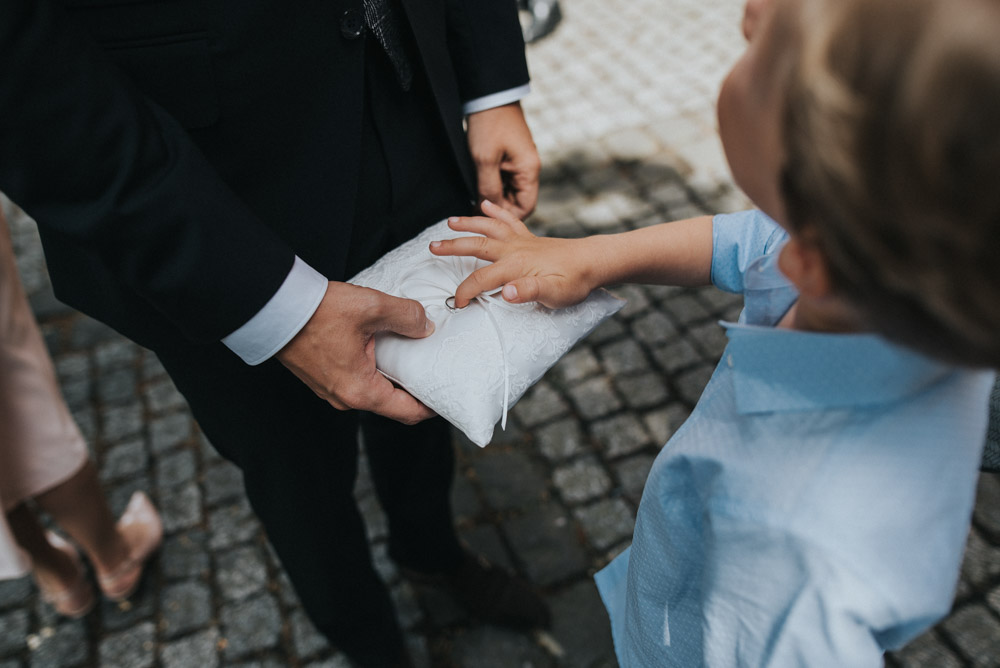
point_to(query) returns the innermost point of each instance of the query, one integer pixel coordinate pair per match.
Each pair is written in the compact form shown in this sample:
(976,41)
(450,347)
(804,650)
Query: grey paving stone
(408,610)
(306,640)
(719,301)
(384,565)
(492,647)
(620,435)
(622,357)
(375,519)
(286,592)
(199,649)
(485,540)
(117,386)
(151,367)
(250,625)
(976,632)
(987,515)
(644,391)
(86,419)
(561,439)
(465,505)
(601,213)
(691,383)
(61,646)
(185,555)
(654,327)
(77,393)
(686,309)
(540,404)
(710,338)
(662,423)
(222,481)
(581,480)
(162,397)
(140,606)
(120,422)
(993,599)
(632,473)
(180,507)
(241,573)
(606,522)
(545,541)
(677,356)
(115,354)
(595,398)
(668,193)
(176,468)
(509,480)
(132,648)
(123,460)
(924,651)
(982,561)
(14,591)
(169,432)
(638,301)
(632,144)
(611,329)
(581,626)
(13,629)
(338,661)
(184,607)
(87,333)
(231,524)
(72,366)
(576,365)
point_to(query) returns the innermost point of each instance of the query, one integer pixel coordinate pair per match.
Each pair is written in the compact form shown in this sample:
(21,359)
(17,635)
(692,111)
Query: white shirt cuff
(282,317)
(496,99)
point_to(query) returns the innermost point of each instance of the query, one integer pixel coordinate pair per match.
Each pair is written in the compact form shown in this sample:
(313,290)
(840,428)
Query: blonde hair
(892,136)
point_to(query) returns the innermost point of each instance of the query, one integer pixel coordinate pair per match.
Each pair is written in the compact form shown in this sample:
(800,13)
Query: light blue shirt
(813,510)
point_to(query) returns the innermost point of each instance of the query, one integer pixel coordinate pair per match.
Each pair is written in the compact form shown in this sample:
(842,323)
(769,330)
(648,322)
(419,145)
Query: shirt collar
(790,370)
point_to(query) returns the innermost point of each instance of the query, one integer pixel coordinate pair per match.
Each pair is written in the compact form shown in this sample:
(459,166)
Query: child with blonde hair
(813,509)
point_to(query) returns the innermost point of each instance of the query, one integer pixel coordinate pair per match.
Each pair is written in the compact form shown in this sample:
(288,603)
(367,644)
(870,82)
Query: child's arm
(562,272)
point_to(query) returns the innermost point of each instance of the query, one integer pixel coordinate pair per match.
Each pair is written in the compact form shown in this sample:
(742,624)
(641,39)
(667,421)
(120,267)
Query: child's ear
(804,265)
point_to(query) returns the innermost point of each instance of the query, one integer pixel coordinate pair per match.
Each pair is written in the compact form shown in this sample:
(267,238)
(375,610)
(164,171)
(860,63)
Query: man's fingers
(395,403)
(488,179)
(402,316)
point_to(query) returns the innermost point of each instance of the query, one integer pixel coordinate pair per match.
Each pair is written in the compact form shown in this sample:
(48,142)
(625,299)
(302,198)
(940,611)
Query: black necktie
(382,19)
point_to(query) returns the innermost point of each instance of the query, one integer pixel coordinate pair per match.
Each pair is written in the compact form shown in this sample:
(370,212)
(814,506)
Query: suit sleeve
(104,168)
(487,47)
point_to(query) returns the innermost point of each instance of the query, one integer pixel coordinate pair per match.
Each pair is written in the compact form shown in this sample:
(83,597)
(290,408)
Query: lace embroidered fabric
(481,359)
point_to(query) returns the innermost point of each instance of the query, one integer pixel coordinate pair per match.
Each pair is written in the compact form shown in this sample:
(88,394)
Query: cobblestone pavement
(622,112)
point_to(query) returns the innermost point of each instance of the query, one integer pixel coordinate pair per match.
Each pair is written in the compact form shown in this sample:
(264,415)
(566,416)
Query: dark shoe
(490,593)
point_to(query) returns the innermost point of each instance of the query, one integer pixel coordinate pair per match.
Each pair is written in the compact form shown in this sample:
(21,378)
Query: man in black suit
(205,173)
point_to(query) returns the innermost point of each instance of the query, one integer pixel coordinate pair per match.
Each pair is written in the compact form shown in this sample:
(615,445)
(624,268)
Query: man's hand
(553,272)
(334,354)
(507,163)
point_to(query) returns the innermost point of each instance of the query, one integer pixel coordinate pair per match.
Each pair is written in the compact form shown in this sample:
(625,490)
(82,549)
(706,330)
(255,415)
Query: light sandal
(122,582)
(79,598)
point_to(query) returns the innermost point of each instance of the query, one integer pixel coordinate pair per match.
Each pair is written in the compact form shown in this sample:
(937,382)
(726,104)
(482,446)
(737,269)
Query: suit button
(351,24)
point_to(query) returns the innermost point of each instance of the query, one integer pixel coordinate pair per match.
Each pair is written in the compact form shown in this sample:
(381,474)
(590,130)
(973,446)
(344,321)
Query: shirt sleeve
(282,317)
(737,240)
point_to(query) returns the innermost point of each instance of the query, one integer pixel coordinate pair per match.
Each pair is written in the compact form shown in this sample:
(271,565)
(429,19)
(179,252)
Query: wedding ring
(449,303)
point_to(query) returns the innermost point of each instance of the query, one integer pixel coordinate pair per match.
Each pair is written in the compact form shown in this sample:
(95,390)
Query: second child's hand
(553,272)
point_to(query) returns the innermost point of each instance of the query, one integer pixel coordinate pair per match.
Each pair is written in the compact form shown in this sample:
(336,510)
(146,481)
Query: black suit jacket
(177,154)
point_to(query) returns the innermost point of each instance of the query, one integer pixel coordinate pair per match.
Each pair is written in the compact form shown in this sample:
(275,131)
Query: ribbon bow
(435,289)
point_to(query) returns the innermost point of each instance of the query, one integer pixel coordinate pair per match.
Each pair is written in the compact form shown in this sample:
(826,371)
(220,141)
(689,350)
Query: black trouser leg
(299,460)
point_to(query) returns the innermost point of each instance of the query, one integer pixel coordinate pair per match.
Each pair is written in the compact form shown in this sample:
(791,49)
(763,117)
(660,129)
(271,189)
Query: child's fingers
(490,227)
(480,247)
(482,280)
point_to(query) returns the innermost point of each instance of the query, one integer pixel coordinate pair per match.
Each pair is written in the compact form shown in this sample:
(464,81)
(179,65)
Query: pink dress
(40,444)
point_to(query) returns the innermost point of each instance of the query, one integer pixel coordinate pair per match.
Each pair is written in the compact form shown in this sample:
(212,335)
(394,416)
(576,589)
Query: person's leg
(299,460)
(52,568)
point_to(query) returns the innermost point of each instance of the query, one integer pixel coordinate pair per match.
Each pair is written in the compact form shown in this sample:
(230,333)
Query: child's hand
(553,272)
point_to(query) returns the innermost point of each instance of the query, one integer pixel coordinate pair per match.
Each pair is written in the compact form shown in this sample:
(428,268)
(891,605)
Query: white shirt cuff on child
(282,317)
